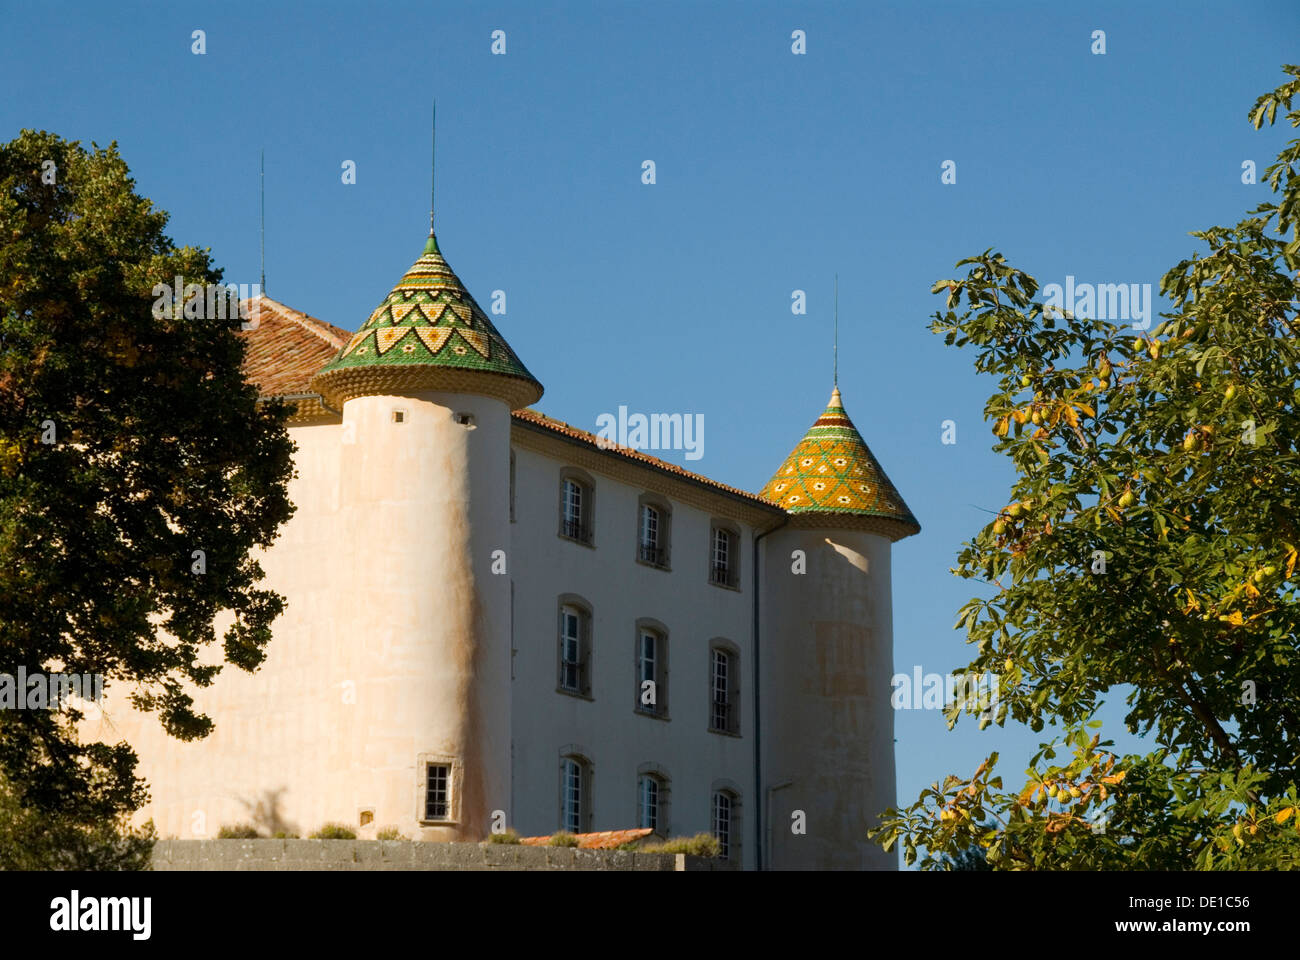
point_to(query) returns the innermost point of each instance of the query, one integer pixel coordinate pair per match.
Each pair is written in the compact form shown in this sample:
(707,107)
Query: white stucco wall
(399,641)
(616,738)
(827,661)
(394,643)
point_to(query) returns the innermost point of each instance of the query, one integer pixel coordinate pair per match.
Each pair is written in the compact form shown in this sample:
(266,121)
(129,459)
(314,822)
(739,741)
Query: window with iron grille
(652,541)
(574,510)
(651,672)
(648,802)
(575,648)
(724,692)
(722,802)
(437,792)
(721,568)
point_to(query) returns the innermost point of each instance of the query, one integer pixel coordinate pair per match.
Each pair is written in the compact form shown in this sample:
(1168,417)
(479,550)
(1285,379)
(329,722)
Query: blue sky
(774,173)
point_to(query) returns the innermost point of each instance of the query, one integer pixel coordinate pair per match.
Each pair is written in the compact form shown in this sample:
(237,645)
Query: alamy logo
(103,913)
(208,301)
(658,431)
(969,691)
(40,691)
(1102,301)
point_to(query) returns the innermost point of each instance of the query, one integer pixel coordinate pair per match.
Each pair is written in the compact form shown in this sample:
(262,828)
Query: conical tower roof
(831,479)
(428,334)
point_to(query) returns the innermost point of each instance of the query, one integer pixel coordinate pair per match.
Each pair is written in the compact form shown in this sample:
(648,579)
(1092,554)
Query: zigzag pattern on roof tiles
(833,471)
(429,319)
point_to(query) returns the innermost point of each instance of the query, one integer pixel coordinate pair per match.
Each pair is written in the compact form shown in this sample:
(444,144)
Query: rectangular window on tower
(437,792)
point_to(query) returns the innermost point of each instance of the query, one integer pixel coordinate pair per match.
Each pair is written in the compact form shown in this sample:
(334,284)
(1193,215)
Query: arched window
(653,799)
(574,646)
(725,821)
(724,554)
(651,660)
(724,687)
(654,530)
(575,793)
(577,505)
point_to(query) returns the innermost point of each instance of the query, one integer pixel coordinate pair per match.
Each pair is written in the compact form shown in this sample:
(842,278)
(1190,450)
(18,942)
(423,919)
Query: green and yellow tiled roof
(430,334)
(832,479)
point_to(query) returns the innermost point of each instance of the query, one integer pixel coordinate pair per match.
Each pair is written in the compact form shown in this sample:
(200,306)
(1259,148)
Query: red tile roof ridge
(334,336)
(529,415)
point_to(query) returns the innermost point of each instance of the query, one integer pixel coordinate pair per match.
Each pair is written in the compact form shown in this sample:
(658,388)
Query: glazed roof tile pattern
(429,321)
(286,348)
(601,840)
(832,471)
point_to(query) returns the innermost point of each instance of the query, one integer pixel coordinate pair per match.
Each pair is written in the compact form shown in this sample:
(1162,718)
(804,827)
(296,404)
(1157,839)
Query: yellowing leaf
(1284,814)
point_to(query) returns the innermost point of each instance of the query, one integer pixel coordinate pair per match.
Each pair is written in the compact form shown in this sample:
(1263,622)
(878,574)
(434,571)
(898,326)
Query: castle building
(496,618)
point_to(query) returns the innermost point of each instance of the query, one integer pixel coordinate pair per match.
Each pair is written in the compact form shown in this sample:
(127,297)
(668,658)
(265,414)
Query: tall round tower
(426,387)
(827,651)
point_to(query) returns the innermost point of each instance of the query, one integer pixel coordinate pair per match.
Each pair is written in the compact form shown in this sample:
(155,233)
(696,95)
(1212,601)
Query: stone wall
(408,855)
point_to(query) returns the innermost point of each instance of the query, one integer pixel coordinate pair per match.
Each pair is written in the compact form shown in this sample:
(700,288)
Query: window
(575,649)
(724,823)
(437,791)
(724,566)
(576,502)
(653,519)
(653,799)
(647,808)
(724,690)
(651,669)
(575,794)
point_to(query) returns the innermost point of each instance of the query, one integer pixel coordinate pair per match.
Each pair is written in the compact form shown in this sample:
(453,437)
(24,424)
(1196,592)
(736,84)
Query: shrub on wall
(700,845)
(237,831)
(334,831)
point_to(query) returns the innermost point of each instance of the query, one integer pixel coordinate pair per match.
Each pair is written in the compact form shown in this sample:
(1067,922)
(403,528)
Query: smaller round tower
(426,387)
(827,651)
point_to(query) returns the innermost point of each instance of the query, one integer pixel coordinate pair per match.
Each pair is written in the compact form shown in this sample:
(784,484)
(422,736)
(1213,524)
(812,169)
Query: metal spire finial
(263,228)
(835,351)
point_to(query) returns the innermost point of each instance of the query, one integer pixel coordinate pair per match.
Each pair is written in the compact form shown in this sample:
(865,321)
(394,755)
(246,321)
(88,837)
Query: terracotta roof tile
(287,347)
(559,426)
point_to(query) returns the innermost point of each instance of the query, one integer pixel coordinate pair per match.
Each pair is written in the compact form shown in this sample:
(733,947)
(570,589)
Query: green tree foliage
(1173,456)
(32,840)
(159,450)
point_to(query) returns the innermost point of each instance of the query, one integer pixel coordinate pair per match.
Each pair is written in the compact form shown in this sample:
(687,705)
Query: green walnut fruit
(1025,380)
(1231,392)
(1127,499)
(1000,527)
